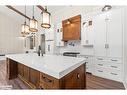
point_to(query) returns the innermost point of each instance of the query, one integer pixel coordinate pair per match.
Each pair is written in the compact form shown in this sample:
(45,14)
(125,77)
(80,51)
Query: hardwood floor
(92,82)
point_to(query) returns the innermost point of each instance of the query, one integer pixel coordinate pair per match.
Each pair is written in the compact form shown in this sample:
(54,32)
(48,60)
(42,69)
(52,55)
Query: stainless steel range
(71,54)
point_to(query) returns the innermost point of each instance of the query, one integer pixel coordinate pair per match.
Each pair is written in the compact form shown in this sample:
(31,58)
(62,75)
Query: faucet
(39,50)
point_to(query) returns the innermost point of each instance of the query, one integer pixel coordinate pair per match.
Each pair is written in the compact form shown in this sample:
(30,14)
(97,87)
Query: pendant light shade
(25,27)
(33,23)
(45,19)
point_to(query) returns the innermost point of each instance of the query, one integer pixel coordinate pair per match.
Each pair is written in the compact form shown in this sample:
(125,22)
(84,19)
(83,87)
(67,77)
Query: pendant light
(33,23)
(25,27)
(45,19)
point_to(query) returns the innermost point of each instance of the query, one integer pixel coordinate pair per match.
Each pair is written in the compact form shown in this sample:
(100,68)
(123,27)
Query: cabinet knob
(78,76)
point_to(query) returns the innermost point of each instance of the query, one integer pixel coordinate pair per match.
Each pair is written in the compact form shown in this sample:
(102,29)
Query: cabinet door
(21,70)
(87,33)
(12,69)
(59,35)
(49,47)
(26,73)
(34,77)
(114,34)
(75,79)
(49,34)
(99,25)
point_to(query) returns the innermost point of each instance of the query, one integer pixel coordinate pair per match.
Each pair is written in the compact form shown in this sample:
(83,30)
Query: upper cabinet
(72,28)
(87,33)
(49,34)
(108,33)
(59,34)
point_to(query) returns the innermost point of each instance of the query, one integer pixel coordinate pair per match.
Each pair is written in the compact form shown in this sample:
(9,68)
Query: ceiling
(20,19)
(11,13)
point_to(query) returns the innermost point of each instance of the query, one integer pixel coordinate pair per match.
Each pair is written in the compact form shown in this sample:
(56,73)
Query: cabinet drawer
(100,72)
(100,59)
(114,66)
(44,86)
(115,60)
(114,75)
(46,80)
(100,63)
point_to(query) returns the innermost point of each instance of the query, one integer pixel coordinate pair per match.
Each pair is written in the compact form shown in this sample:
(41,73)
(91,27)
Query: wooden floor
(92,82)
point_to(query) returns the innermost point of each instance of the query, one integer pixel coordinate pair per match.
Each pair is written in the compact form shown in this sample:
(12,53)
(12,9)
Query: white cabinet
(59,35)
(49,47)
(110,68)
(108,44)
(99,26)
(108,34)
(87,33)
(49,34)
(114,34)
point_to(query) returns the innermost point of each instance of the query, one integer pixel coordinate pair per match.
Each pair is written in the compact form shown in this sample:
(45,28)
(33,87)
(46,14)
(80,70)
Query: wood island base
(39,80)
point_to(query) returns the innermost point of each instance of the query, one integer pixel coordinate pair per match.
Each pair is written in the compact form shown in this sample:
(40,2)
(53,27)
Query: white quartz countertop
(53,65)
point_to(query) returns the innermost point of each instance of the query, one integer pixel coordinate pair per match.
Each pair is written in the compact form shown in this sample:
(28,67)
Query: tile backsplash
(75,46)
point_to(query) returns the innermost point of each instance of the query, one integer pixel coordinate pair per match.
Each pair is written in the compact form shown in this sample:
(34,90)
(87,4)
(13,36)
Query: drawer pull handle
(113,73)
(100,58)
(100,71)
(113,60)
(114,67)
(46,79)
(100,64)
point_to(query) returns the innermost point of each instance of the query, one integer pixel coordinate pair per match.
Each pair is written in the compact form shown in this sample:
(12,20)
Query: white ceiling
(20,19)
(11,13)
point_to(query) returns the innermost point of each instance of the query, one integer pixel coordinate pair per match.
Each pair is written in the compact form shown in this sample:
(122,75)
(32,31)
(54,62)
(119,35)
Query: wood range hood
(72,28)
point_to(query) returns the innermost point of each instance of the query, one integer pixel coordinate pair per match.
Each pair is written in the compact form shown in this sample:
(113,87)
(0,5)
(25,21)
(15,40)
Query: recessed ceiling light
(106,8)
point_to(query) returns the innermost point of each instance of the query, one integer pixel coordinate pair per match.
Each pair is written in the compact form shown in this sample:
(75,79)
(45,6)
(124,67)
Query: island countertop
(53,65)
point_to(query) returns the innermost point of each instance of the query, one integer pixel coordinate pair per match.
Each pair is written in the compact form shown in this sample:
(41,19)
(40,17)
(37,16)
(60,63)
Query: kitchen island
(48,71)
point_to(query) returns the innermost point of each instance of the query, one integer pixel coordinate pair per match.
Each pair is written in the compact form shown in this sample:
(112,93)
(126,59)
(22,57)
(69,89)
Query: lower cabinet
(20,70)
(26,73)
(34,77)
(12,70)
(110,68)
(48,82)
(74,80)
(39,80)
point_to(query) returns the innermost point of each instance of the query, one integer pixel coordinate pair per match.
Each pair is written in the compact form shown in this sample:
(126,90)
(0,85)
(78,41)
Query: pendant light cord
(25,14)
(33,11)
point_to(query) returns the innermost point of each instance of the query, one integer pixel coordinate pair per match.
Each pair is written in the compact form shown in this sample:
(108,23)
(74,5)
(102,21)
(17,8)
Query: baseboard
(125,84)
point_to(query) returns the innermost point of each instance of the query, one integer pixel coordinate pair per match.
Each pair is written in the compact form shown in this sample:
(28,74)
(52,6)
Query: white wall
(66,13)
(10,41)
(125,46)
